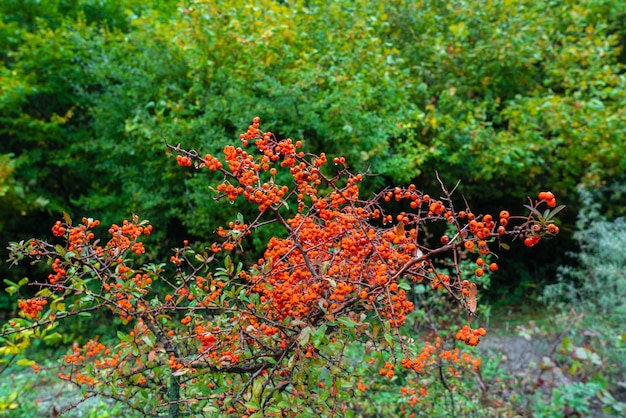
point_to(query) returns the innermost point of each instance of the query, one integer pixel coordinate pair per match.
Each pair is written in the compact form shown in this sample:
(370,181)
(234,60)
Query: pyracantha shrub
(206,334)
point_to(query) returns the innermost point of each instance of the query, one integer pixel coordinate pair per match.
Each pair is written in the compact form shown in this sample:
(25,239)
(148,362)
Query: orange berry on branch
(483,247)
(546,195)
(552,229)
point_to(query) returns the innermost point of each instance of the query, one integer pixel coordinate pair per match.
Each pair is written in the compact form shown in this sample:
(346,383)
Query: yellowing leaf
(471,299)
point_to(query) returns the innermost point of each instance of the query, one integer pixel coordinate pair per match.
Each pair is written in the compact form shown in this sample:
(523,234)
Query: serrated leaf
(67,218)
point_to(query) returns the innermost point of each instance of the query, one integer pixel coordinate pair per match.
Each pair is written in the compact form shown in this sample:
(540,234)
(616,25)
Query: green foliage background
(511,97)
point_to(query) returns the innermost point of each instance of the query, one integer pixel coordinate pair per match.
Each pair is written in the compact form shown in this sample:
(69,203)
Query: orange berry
(553,229)
(493,267)
(545,195)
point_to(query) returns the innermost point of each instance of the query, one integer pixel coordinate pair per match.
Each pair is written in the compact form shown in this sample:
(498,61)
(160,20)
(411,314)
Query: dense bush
(513,95)
(596,288)
(597,283)
(286,335)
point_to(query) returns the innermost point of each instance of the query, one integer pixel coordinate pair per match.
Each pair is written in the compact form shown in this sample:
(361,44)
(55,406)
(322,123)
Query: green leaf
(25,362)
(124,337)
(332,282)
(554,211)
(253,403)
(305,336)
(533,210)
(10,283)
(319,335)
(228,264)
(405,286)
(347,322)
(59,249)
(458,30)
(53,338)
